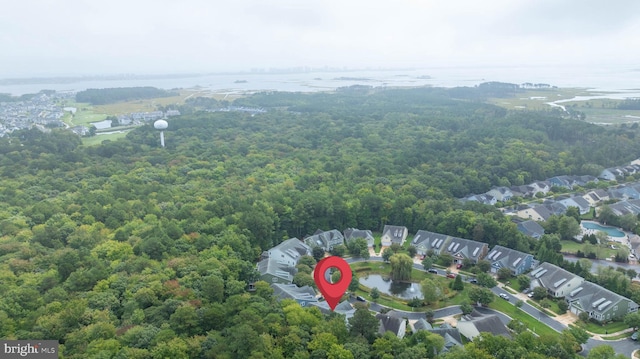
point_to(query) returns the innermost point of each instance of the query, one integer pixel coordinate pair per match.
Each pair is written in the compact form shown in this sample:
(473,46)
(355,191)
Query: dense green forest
(112,95)
(130,250)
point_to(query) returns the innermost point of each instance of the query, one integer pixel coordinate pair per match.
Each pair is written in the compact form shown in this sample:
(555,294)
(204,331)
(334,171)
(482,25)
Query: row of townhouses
(277,266)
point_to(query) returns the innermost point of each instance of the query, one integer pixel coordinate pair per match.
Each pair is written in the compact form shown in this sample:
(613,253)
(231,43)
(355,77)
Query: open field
(537,99)
(96,140)
(599,111)
(87,113)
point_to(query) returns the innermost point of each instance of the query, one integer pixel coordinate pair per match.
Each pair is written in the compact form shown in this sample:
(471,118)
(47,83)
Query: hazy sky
(76,37)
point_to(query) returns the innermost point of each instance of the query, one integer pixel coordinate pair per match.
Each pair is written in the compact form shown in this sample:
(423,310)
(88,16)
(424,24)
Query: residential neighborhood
(540,208)
(43,110)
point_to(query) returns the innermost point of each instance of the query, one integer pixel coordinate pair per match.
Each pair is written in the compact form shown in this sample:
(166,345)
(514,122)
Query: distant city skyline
(42,38)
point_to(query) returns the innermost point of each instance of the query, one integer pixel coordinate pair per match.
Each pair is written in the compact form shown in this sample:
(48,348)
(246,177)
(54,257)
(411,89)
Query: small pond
(611,231)
(384,285)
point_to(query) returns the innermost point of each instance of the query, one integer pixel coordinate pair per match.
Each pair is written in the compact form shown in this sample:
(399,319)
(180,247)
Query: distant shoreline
(601,79)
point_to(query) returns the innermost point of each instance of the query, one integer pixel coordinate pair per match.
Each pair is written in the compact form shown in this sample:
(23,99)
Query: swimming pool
(611,231)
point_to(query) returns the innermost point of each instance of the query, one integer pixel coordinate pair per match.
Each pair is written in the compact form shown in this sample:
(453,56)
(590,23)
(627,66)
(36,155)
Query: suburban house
(483,198)
(425,241)
(611,174)
(538,213)
(523,191)
(345,308)
(462,249)
(531,228)
(326,240)
(278,263)
(451,336)
(601,304)
(445,330)
(517,262)
(624,192)
(303,295)
(475,323)
(560,181)
(621,208)
(351,234)
(577,201)
(555,207)
(500,193)
(398,326)
(420,324)
(459,248)
(394,234)
(557,281)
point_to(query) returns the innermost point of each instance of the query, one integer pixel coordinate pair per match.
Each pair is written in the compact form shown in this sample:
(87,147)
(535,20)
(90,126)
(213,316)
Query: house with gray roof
(278,263)
(577,201)
(611,174)
(561,181)
(325,239)
(351,234)
(483,198)
(451,336)
(272,270)
(475,323)
(394,234)
(557,281)
(425,241)
(531,228)
(303,295)
(421,324)
(462,249)
(601,304)
(500,193)
(345,308)
(538,213)
(621,208)
(521,191)
(517,262)
(398,326)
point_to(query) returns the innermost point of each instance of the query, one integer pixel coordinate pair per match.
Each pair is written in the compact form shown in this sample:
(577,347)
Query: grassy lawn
(601,329)
(573,247)
(96,140)
(532,323)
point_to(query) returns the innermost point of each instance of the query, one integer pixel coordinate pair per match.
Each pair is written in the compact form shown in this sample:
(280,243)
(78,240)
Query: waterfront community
(217,233)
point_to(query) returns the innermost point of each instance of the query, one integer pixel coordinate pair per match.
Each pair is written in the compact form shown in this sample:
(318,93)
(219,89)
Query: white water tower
(161,125)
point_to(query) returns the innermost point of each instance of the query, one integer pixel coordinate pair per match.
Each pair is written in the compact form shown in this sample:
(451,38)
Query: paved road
(623,346)
(534,312)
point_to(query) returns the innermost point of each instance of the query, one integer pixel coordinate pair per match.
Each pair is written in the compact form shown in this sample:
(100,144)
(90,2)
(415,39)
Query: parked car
(504,296)
(361,299)
(530,295)
(459,266)
(451,275)
(634,336)
(526,290)
(431,270)
(473,280)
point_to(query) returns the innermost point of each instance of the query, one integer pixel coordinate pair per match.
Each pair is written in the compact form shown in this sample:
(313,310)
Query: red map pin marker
(332,292)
